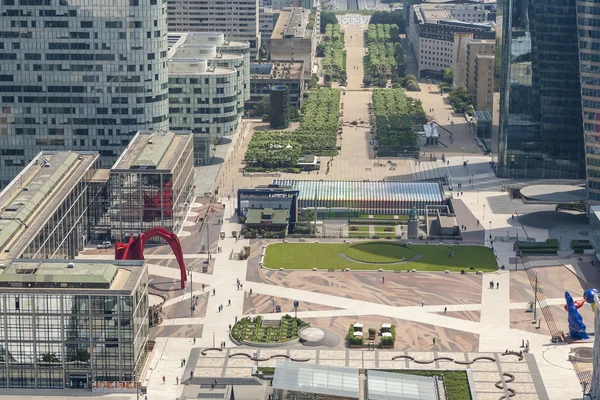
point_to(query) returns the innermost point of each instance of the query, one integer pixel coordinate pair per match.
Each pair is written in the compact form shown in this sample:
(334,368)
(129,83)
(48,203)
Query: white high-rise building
(237,19)
(80,75)
(209,80)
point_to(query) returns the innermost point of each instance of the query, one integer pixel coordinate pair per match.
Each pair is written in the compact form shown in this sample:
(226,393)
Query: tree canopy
(327,17)
(386,17)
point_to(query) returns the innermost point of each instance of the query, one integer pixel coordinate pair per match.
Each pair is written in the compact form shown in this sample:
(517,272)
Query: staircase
(428,171)
(329,340)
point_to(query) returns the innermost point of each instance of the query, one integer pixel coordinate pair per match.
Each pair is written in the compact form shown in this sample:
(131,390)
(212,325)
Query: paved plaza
(478,322)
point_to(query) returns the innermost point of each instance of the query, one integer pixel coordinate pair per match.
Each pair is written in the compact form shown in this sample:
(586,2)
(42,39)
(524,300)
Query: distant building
(43,211)
(73,323)
(267,19)
(474,68)
(264,76)
(237,19)
(151,184)
(280,4)
(295,37)
(432,28)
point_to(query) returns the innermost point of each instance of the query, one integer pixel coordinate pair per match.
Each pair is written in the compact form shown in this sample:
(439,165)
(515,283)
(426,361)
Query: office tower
(540,133)
(473,67)
(589,57)
(73,323)
(237,19)
(209,80)
(79,76)
(151,184)
(432,29)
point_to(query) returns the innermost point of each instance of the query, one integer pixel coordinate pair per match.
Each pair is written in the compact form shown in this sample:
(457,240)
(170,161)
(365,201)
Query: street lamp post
(490,231)
(478,195)
(483,215)
(517,247)
(463,153)
(535,290)
(559,236)
(208,239)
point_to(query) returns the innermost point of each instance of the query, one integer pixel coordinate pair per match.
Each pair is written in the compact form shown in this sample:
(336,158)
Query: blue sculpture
(577,328)
(589,295)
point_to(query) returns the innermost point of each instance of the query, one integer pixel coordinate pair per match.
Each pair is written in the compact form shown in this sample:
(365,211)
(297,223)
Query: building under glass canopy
(299,381)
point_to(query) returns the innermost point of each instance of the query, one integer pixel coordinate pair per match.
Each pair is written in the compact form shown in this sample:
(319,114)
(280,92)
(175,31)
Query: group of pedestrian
(182,363)
(431,110)
(463,227)
(492,285)
(220,308)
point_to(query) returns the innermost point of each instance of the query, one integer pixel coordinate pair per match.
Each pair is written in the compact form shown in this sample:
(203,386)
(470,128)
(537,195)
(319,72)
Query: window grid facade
(85,76)
(540,99)
(55,341)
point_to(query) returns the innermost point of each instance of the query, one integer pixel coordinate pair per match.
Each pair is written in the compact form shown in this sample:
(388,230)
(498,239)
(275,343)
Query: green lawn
(381,230)
(360,228)
(379,252)
(455,382)
(328,255)
(359,235)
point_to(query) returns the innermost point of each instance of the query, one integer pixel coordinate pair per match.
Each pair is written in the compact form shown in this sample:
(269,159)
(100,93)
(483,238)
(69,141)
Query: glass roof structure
(375,197)
(344,382)
(310,378)
(392,386)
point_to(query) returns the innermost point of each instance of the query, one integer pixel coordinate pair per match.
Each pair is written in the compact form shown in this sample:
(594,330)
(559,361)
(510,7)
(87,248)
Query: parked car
(104,245)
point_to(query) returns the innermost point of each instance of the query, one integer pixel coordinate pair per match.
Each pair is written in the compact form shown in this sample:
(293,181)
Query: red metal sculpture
(134,250)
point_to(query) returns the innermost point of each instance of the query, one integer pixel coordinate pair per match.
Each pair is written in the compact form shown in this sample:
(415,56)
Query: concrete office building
(474,68)
(280,4)
(151,184)
(293,39)
(237,19)
(267,19)
(72,323)
(79,76)
(266,75)
(206,93)
(223,47)
(589,70)
(541,129)
(43,211)
(431,29)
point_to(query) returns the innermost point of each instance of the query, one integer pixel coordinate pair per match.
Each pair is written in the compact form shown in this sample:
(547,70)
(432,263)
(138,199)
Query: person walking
(433,342)
(422,303)
(214,292)
(177,380)
(497,285)
(383,279)
(229,302)
(164,379)
(445,309)
(194,340)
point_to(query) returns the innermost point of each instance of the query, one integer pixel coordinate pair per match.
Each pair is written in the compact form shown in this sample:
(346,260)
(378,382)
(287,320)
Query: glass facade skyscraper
(79,75)
(541,131)
(588,21)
